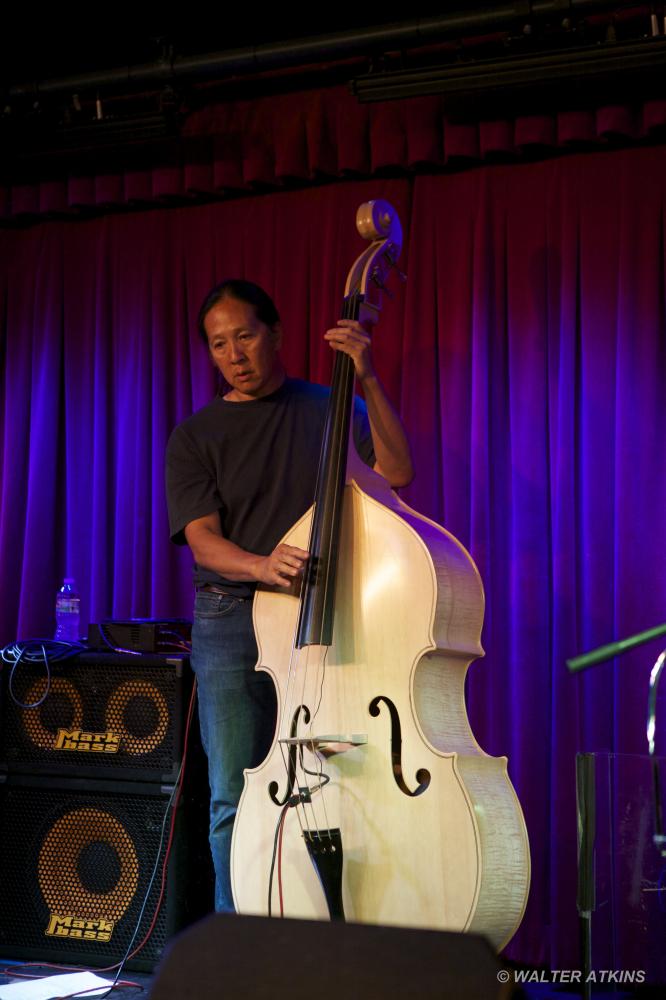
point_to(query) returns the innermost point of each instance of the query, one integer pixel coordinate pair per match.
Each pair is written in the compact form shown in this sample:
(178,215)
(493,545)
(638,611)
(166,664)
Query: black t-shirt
(255,463)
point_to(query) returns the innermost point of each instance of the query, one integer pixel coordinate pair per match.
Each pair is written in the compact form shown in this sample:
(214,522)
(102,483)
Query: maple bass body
(431,831)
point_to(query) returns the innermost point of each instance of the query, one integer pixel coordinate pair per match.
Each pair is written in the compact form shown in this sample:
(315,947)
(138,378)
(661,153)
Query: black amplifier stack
(89,759)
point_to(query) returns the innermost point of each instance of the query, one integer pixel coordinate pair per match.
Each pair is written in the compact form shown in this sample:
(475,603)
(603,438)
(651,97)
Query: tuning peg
(392,264)
(376,279)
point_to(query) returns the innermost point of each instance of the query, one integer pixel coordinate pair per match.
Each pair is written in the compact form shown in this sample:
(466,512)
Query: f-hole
(291,760)
(422,776)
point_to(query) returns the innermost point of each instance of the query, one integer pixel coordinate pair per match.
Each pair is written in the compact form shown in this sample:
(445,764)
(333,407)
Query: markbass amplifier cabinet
(81,869)
(89,763)
(98,715)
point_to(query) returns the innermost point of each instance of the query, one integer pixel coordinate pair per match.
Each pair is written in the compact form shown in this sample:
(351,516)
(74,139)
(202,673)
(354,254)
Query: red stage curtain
(276,142)
(527,355)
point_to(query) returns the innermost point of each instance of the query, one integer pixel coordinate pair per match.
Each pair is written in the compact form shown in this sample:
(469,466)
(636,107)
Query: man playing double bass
(239,473)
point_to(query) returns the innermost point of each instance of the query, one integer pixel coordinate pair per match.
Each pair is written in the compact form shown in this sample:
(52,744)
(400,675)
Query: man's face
(244,349)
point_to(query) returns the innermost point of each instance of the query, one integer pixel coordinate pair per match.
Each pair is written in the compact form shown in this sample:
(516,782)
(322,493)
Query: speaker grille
(103,715)
(88,865)
(75,869)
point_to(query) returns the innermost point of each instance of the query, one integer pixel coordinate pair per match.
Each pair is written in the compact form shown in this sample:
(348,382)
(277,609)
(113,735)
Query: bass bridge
(327,745)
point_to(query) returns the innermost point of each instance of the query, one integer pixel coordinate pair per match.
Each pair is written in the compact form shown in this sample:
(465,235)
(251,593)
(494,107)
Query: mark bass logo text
(77,739)
(75,927)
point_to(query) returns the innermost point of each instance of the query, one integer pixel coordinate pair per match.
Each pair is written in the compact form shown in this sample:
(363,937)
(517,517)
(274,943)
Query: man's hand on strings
(350,338)
(282,566)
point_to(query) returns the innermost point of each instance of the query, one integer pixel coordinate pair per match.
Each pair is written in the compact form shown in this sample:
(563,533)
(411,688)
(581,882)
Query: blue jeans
(237,712)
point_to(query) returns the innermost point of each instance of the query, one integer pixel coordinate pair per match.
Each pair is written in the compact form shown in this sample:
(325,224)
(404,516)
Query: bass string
(288,714)
(298,664)
(286,752)
(296,657)
(343,386)
(293,705)
(310,800)
(322,780)
(285,728)
(306,807)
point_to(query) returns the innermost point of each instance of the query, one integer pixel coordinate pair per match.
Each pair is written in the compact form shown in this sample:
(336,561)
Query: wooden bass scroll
(375,802)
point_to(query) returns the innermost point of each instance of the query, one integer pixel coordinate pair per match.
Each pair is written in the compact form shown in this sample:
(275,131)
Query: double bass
(375,802)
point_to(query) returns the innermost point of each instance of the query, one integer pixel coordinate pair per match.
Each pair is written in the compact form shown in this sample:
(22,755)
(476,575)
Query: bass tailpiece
(325,850)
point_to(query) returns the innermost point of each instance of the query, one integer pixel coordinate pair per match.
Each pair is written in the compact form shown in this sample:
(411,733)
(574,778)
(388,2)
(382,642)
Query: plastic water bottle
(68,604)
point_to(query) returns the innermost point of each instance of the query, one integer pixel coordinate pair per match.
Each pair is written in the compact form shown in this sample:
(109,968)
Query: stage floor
(144,982)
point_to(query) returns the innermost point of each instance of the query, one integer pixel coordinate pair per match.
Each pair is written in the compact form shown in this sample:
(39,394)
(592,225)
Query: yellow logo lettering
(67,739)
(77,927)
(78,740)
